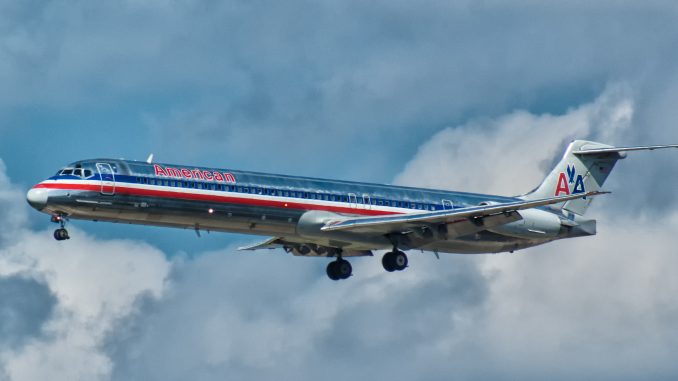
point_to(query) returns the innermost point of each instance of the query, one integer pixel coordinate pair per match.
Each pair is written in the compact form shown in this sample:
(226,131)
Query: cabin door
(107,178)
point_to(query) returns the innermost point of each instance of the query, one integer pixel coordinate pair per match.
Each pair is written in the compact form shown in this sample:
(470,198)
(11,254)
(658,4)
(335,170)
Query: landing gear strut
(339,269)
(394,260)
(60,234)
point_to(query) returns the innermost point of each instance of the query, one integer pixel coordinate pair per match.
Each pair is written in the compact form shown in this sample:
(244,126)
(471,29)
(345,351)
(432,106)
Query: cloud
(581,308)
(272,315)
(598,308)
(59,302)
(360,91)
(511,154)
(592,307)
(25,304)
(226,82)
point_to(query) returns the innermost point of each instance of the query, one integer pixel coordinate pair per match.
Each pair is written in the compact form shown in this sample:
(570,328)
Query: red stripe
(214,198)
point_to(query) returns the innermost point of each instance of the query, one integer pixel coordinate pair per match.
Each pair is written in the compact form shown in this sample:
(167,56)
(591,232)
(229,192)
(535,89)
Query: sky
(477,96)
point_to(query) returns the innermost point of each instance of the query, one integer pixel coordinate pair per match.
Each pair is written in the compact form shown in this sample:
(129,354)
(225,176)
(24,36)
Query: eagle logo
(570,182)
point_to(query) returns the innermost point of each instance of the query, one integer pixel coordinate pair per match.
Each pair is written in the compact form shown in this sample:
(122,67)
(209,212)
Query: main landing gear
(394,260)
(61,233)
(339,269)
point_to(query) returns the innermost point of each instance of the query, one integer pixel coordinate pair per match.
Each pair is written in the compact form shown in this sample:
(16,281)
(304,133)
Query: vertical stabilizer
(578,173)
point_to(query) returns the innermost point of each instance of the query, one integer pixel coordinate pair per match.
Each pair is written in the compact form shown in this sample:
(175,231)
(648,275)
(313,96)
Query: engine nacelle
(535,224)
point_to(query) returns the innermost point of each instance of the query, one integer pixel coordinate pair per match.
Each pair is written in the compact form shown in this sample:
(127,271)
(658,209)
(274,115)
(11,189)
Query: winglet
(150,159)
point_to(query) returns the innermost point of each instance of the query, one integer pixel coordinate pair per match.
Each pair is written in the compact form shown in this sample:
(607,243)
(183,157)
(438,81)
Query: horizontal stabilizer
(401,222)
(595,151)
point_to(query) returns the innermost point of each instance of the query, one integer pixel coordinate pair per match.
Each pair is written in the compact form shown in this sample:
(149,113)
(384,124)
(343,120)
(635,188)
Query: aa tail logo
(570,182)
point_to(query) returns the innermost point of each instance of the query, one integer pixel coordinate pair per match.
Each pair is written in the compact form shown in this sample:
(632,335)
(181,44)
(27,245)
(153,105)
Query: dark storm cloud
(25,305)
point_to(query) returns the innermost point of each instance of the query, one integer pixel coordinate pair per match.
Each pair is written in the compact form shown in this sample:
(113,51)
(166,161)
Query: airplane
(332,218)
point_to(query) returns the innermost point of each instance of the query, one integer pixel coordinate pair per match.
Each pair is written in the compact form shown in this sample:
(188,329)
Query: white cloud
(572,309)
(601,307)
(511,154)
(94,284)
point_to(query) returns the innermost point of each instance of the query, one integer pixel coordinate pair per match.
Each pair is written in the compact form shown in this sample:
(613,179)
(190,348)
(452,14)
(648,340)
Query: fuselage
(214,199)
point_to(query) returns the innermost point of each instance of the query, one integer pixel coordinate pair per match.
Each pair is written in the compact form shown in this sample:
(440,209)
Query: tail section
(584,168)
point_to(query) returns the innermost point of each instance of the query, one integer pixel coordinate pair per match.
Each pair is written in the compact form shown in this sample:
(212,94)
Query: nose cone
(37,198)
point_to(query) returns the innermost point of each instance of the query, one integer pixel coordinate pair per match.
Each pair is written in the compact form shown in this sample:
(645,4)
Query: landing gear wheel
(394,261)
(339,269)
(344,269)
(388,262)
(332,271)
(400,260)
(61,234)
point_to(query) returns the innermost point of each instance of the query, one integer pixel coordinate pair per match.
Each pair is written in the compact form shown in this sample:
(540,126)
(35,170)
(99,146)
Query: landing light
(210,210)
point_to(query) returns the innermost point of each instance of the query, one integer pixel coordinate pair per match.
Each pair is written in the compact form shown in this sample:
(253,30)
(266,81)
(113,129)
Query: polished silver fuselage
(207,199)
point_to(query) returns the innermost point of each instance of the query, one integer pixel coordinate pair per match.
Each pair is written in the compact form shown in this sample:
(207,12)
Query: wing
(463,221)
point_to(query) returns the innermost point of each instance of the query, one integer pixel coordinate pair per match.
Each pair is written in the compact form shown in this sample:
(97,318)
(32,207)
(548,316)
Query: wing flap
(272,243)
(473,216)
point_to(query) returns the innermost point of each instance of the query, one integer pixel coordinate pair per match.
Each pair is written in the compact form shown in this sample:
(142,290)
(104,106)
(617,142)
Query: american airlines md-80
(329,218)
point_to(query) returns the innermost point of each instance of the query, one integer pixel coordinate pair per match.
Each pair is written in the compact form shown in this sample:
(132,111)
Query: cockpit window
(84,173)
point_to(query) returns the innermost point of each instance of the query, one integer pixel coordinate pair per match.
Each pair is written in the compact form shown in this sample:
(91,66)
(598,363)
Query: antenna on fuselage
(150,159)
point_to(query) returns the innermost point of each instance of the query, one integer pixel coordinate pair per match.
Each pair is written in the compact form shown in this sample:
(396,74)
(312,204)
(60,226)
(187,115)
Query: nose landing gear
(61,233)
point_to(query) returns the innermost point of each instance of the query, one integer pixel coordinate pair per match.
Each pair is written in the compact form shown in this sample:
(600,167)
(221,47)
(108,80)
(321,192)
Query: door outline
(107,178)
(353,200)
(367,202)
(448,204)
